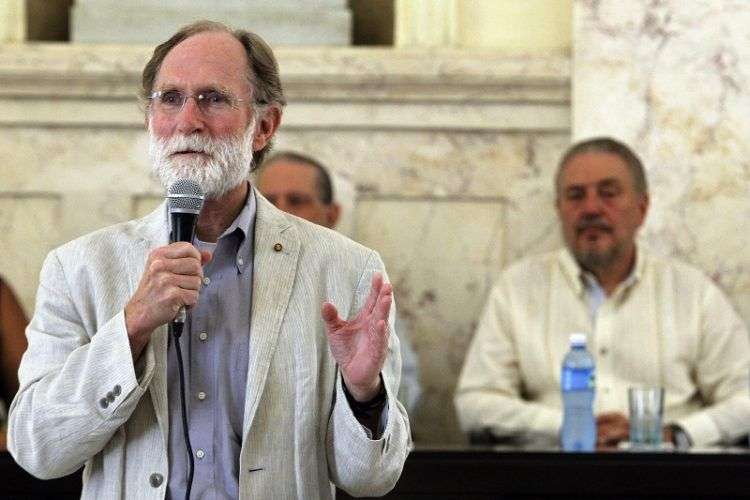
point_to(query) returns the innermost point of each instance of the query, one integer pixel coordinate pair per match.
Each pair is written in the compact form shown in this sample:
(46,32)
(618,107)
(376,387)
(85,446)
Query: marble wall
(450,153)
(672,78)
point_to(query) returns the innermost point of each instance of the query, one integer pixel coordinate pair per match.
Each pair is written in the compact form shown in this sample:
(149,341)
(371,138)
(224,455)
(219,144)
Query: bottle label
(577,379)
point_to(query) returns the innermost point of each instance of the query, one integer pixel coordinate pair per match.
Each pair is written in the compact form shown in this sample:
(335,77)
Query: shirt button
(156,479)
(200,453)
(203,336)
(603,351)
(206,280)
(201,395)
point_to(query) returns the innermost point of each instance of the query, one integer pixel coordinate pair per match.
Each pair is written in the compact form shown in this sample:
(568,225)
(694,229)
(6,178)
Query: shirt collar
(243,226)
(245,220)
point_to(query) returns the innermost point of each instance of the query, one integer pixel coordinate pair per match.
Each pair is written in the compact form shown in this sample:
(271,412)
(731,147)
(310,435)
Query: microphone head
(185,195)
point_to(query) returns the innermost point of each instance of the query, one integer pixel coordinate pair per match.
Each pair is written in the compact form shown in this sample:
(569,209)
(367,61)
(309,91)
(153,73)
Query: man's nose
(190,119)
(592,204)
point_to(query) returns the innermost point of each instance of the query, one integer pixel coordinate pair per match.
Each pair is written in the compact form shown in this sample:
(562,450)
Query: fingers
(330,316)
(177,250)
(377,284)
(383,304)
(612,418)
(612,428)
(188,266)
(172,278)
(376,308)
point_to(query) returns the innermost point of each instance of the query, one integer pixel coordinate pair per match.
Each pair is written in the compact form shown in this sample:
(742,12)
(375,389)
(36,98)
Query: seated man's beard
(223,164)
(591,260)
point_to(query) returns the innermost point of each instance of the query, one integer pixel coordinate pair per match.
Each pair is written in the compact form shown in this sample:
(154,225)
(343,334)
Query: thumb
(329,313)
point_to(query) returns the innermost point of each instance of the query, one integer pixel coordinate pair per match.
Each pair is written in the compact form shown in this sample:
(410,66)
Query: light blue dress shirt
(215,350)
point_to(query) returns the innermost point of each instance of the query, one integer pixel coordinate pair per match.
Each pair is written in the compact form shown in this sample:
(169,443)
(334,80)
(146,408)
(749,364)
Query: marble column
(426,23)
(486,24)
(672,78)
(279,22)
(12,21)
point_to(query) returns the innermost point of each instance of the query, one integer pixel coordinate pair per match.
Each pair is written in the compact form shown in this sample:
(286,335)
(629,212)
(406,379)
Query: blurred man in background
(650,321)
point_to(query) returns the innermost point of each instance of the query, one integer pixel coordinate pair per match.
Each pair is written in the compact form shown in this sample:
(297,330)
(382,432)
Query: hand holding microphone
(173,274)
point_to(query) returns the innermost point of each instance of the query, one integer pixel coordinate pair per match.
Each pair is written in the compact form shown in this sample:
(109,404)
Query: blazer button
(103,402)
(156,479)
(110,397)
(117,390)
(277,247)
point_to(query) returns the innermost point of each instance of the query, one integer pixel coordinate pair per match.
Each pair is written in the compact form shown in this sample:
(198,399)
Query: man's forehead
(205,59)
(290,174)
(593,168)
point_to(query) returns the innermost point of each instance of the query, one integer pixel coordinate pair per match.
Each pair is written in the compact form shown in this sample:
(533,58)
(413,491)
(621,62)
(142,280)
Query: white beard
(225,164)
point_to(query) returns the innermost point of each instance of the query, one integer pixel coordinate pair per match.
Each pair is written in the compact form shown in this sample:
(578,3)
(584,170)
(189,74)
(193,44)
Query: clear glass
(646,411)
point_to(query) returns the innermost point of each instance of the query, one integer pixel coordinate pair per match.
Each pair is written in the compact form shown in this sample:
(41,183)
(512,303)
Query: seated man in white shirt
(650,321)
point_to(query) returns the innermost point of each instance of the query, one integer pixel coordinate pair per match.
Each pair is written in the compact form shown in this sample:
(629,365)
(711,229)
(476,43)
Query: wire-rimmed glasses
(211,102)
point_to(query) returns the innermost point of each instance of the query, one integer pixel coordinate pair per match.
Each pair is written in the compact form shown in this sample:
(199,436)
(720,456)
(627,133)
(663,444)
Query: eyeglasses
(210,102)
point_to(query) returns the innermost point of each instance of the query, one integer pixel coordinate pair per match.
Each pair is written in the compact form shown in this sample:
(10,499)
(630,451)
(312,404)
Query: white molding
(93,85)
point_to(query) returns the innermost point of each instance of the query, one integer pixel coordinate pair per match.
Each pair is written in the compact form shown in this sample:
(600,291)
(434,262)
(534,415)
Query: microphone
(184,201)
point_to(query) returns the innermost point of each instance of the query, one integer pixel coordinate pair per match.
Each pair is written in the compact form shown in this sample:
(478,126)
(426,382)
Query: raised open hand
(360,345)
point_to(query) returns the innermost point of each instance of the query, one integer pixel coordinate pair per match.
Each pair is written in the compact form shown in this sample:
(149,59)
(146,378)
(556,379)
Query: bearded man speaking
(284,397)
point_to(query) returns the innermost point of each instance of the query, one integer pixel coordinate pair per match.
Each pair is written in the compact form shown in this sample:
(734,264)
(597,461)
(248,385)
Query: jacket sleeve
(721,374)
(488,395)
(76,387)
(359,465)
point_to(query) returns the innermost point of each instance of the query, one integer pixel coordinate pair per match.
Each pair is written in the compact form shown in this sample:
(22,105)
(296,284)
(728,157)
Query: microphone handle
(183,226)
(183,229)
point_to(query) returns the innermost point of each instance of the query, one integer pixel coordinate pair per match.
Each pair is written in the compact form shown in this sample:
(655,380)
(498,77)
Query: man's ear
(268,122)
(643,204)
(333,213)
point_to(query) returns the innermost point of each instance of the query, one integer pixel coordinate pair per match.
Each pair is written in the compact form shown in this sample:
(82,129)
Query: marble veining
(672,78)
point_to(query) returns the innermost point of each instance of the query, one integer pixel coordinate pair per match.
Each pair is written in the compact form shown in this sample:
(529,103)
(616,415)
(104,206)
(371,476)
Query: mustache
(596,223)
(188,143)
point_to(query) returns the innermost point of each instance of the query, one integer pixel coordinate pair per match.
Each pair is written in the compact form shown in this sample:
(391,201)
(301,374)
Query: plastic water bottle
(577,383)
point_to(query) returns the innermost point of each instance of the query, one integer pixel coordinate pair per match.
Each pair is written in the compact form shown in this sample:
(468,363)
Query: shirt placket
(603,344)
(201,414)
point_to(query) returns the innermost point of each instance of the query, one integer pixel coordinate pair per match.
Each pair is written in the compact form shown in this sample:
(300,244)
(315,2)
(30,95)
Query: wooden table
(510,473)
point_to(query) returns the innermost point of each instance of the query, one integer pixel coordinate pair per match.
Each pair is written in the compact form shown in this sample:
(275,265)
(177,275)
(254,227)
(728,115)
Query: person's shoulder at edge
(530,269)
(684,277)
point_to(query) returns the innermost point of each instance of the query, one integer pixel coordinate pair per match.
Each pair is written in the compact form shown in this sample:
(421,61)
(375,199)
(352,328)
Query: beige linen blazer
(300,436)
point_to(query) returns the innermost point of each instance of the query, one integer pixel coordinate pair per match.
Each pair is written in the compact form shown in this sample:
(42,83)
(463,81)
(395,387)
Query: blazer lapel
(152,232)
(277,247)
